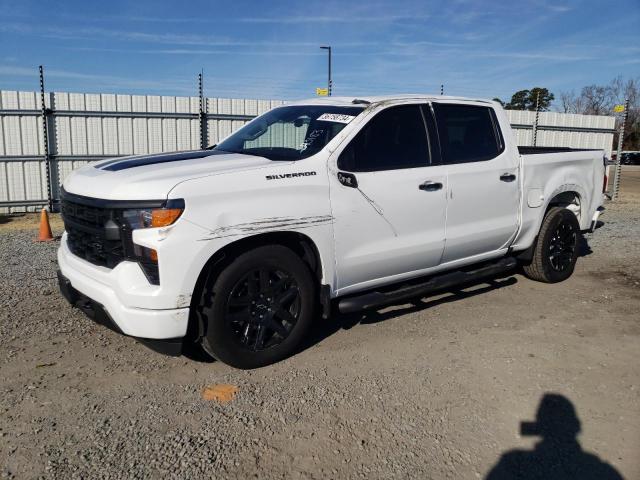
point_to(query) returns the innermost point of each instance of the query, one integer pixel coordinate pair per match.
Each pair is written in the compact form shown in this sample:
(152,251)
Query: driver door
(388,201)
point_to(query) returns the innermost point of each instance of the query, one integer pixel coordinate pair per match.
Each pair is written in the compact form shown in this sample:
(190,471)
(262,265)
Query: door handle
(429,186)
(507,177)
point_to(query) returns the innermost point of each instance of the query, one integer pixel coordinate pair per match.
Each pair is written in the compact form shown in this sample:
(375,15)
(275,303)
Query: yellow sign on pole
(323,92)
(618,108)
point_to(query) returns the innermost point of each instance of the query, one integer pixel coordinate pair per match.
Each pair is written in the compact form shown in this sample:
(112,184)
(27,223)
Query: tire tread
(536,269)
(208,301)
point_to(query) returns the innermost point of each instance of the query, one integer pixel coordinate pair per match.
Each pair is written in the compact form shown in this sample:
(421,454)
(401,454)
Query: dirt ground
(435,389)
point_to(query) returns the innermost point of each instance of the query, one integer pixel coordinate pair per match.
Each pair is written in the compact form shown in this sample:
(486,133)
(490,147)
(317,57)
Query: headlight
(134,219)
(154,217)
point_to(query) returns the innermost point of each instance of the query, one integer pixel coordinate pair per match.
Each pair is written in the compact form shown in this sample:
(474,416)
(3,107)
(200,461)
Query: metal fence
(551,129)
(87,127)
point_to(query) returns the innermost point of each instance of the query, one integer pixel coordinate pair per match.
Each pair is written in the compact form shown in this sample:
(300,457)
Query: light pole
(329,82)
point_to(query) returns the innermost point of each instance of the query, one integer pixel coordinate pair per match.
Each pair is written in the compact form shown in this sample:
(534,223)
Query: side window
(395,138)
(467,133)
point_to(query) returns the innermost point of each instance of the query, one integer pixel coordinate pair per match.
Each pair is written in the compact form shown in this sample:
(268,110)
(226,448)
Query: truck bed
(543,168)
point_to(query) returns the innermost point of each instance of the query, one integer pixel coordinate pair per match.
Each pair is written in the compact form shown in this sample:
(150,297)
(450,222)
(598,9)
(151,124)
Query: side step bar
(376,299)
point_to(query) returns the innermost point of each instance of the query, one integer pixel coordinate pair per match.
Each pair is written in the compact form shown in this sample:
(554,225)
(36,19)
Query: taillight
(604,183)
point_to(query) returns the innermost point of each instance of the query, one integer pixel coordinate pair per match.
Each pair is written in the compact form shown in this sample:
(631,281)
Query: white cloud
(340,17)
(89,33)
(96,79)
(536,56)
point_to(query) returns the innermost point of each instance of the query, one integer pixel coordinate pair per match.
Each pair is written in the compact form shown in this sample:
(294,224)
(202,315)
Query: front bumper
(97,312)
(112,290)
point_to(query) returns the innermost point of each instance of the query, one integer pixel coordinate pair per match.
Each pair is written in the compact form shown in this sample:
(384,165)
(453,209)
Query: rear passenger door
(484,193)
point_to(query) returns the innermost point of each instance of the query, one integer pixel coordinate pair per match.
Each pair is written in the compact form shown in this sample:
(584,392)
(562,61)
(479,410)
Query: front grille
(86,215)
(87,236)
(100,232)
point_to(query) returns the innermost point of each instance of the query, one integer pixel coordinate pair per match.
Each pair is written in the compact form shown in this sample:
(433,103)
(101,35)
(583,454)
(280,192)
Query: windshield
(290,133)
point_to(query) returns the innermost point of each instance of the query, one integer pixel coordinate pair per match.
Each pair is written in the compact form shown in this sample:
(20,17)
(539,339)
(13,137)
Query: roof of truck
(379,99)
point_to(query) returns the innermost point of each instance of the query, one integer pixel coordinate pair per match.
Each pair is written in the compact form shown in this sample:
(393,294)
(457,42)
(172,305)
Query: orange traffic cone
(45,229)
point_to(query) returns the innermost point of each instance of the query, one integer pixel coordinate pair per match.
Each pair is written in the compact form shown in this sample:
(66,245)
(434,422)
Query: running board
(376,299)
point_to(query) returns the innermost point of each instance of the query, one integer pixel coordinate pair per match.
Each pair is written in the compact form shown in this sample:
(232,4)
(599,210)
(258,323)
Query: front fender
(230,207)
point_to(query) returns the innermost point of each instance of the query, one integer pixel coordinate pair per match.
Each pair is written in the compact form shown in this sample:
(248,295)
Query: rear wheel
(556,249)
(258,310)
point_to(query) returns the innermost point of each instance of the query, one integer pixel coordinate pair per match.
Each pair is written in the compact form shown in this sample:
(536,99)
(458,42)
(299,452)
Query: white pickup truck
(336,203)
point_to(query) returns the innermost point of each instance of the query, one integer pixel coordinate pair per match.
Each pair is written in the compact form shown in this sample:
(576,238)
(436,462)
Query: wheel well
(302,245)
(569,200)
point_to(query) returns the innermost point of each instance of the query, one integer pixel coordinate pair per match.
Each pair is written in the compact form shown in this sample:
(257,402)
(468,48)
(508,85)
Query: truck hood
(147,177)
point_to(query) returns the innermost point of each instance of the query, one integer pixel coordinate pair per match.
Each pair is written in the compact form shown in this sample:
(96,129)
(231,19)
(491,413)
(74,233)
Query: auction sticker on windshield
(336,117)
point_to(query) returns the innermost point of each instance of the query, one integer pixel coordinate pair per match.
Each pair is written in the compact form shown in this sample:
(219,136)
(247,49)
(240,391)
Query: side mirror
(348,179)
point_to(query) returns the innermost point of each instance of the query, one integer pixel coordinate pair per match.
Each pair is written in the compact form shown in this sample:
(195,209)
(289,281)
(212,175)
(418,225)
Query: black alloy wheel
(555,251)
(562,246)
(263,308)
(258,308)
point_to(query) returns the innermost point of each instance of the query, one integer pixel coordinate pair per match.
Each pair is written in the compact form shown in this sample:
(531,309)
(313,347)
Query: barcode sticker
(336,117)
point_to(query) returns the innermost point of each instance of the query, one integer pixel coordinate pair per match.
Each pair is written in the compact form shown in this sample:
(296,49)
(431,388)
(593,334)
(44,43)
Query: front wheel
(556,249)
(260,307)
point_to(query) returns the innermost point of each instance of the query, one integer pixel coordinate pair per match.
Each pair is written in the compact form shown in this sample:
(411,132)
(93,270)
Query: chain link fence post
(45,136)
(617,172)
(202,114)
(535,122)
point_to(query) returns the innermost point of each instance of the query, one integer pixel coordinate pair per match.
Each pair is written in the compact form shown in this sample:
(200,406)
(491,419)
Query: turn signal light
(155,217)
(164,217)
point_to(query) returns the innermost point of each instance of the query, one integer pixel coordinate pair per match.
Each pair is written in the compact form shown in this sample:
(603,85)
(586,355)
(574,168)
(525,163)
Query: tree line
(590,100)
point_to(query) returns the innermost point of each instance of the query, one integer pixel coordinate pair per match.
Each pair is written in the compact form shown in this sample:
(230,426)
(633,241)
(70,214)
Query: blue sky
(262,49)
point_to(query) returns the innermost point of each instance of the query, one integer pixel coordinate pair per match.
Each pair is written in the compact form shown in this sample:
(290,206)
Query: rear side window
(467,133)
(395,138)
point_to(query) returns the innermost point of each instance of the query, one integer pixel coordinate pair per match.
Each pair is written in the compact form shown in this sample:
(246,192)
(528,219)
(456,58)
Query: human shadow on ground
(558,456)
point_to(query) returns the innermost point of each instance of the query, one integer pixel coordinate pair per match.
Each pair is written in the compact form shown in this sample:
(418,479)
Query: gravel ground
(435,389)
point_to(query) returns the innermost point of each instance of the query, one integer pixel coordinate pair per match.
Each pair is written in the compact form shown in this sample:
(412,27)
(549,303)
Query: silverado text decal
(289,175)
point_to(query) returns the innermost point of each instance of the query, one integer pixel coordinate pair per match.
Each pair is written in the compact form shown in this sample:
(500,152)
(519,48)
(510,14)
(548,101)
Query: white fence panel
(88,127)
(563,129)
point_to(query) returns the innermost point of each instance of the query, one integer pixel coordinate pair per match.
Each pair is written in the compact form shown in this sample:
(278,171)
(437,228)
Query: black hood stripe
(123,164)
(134,157)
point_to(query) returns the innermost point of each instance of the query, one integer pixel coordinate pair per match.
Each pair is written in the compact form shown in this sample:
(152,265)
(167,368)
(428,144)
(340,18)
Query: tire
(259,308)
(556,248)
